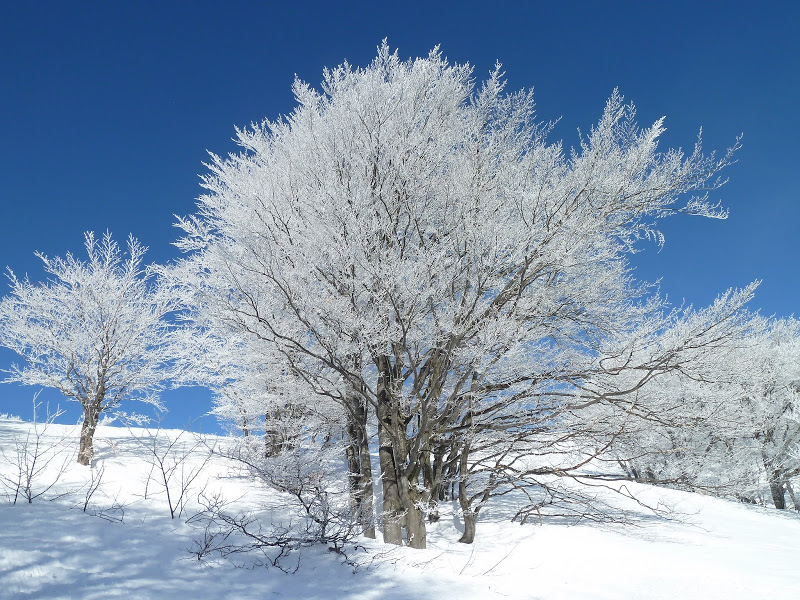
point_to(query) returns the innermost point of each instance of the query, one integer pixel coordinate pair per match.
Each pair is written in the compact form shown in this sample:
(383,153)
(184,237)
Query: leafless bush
(114,513)
(36,459)
(93,485)
(171,470)
(313,505)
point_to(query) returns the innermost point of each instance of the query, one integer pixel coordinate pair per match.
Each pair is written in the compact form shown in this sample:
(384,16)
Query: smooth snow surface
(126,546)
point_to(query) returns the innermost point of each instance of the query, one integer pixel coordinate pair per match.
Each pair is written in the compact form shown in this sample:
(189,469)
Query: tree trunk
(432,467)
(778,490)
(470,516)
(353,471)
(367,510)
(392,508)
(416,533)
(91,416)
(401,499)
(359,464)
(469,506)
(274,436)
(470,522)
(795,501)
(775,477)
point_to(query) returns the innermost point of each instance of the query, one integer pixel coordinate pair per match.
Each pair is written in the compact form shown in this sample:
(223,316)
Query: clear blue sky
(107,110)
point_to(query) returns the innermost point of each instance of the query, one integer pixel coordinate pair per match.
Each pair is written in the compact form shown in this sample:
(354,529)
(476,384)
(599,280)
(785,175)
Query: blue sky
(107,111)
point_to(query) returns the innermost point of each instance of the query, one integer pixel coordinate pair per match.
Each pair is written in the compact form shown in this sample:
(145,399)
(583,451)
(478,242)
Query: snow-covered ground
(125,545)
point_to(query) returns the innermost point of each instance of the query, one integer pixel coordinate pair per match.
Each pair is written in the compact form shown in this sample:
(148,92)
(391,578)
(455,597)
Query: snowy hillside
(125,545)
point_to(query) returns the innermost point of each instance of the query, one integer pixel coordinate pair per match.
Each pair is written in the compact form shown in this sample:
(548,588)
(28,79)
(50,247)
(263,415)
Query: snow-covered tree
(734,428)
(95,331)
(772,401)
(414,246)
(690,403)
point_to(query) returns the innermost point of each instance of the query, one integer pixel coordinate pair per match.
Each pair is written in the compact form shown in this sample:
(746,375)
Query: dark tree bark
(91,416)
(432,477)
(777,489)
(774,475)
(469,506)
(392,508)
(273,441)
(792,496)
(470,522)
(359,464)
(416,533)
(470,515)
(399,471)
